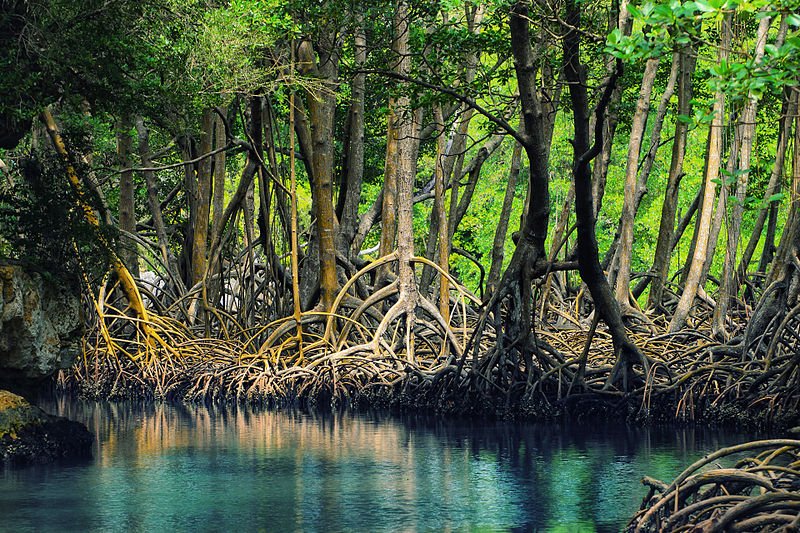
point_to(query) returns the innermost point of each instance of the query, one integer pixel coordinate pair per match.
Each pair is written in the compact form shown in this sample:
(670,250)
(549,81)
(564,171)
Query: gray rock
(40,327)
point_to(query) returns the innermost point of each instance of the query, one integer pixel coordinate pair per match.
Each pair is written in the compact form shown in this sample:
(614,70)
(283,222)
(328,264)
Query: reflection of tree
(297,470)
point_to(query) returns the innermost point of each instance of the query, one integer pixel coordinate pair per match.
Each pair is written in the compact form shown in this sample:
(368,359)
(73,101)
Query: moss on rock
(29,435)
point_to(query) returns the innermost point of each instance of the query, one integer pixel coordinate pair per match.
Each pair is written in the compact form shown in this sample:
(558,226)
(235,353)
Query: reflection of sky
(178,468)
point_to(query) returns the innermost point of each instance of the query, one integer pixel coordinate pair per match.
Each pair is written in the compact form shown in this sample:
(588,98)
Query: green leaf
(704,6)
(777,197)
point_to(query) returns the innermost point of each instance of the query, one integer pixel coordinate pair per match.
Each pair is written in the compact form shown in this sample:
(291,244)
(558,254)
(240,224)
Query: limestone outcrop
(40,327)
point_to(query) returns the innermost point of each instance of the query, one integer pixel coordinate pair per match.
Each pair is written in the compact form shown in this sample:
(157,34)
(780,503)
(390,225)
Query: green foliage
(669,25)
(42,225)
(236,50)
(115,55)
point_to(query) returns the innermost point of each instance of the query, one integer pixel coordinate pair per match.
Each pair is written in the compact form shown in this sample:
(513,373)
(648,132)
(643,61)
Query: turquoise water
(178,468)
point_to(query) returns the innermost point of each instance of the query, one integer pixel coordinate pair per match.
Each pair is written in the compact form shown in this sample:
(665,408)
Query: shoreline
(408,397)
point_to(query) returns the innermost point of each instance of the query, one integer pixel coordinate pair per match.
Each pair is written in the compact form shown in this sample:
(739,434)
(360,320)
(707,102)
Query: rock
(40,327)
(29,435)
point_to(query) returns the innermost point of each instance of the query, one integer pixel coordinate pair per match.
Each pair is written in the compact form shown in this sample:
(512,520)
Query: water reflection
(160,468)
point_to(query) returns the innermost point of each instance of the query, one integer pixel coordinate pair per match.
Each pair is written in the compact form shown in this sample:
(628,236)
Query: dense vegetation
(513,205)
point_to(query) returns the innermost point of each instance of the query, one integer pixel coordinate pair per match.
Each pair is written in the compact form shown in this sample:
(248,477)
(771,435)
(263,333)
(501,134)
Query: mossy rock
(29,435)
(16,413)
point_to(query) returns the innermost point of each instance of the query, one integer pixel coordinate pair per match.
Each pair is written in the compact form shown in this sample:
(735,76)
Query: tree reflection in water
(162,467)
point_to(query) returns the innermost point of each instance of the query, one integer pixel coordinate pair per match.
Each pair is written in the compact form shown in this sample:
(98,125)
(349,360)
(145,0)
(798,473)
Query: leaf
(777,197)
(735,173)
(704,6)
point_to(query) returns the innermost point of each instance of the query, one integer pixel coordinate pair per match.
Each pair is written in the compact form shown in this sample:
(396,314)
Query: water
(177,468)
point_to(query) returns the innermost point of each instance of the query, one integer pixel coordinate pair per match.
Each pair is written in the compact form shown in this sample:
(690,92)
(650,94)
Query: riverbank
(690,379)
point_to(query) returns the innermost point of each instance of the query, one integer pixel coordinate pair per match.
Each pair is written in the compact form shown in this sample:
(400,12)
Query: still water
(179,468)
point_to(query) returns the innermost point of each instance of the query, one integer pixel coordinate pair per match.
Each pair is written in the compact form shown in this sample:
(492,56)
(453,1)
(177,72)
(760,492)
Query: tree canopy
(428,192)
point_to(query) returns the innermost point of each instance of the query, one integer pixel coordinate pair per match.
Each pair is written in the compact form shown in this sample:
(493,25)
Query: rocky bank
(40,333)
(40,327)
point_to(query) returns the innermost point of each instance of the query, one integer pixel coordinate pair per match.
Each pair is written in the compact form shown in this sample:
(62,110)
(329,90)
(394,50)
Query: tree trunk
(788,111)
(236,203)
(730,286)
(152,198)
(768,253)
(186,145)
(517,317)
(321,107)
(627,355)
(620,19)
(652,151)
(791,230)
(537,209)
(453,171)
(127,198)
(498,245)
(247,285)
(783,281)
(273,201)
(474,173)
(438,214)
(454,151)
(655,134)
(722,201)
(664,247)
(389,203)
(559,241)
(712,174)
(600,168)
(452,160)
(454,165)
(202,200)
(625,246)
(218,194)
(353,168)
(407,131)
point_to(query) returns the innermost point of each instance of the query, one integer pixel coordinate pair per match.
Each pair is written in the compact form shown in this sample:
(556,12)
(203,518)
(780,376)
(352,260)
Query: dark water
(177,468)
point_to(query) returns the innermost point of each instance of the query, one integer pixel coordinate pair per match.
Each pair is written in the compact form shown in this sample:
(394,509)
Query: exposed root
(759,491)
(382,346)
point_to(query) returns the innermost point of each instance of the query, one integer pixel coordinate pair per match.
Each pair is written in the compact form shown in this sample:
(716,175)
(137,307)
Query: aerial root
(390,345)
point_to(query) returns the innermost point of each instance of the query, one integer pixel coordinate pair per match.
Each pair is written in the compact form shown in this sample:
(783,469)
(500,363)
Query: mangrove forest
(504,212)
